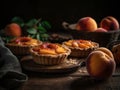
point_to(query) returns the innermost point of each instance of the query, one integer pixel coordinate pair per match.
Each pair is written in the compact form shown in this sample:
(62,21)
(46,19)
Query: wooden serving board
(27,63)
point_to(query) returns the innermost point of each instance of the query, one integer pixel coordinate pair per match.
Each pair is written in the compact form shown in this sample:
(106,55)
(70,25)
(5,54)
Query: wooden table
(69,81)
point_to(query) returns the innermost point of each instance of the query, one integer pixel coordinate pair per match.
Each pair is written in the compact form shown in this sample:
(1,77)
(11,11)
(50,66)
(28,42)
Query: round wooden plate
(70,65)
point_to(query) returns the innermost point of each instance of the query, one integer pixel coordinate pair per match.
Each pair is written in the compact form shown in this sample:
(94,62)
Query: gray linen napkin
(11,75)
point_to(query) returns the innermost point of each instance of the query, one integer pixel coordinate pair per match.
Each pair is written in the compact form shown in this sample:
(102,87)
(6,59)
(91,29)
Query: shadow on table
(87,83)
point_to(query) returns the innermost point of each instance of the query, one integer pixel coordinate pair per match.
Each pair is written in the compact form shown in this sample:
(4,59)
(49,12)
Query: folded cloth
(11,75)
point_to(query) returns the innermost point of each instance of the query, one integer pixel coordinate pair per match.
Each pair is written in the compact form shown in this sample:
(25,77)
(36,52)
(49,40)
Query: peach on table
(100,63)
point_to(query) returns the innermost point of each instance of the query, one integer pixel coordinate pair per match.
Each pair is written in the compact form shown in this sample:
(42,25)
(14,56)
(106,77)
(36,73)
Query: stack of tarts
(80,48)
(21,45)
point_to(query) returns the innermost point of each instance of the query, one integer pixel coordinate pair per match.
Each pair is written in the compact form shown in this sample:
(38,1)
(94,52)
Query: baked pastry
(80,48)
(49,53)
(116,53)
(21,45)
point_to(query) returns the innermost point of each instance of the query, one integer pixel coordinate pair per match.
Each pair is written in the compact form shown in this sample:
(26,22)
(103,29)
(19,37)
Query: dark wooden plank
(71,81)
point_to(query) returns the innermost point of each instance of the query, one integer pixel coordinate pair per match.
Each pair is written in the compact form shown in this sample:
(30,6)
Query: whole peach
(13,29)
(105,50)
(101,30)
(86,24)
(109,23)
(100,64)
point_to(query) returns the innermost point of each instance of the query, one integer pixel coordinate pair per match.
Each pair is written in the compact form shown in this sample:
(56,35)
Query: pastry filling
(49,48)
(83,44)
(24,41)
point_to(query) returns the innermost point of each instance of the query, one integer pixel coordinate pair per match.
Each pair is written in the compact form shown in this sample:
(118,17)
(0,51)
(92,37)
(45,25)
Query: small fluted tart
(116,53)
(49,53)
(21,45)
(80,48)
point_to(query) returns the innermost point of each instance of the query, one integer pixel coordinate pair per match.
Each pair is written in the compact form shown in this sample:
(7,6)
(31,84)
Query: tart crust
(81,50)
(49,59)
(19,47)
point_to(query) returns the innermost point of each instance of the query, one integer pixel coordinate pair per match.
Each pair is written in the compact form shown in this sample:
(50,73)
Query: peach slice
(60,50)
(47,51)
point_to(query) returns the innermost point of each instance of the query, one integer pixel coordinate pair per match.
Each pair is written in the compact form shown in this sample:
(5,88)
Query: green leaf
(38,36)
(33,35)
(6,39)
(32,23)
(45,35)
(2,32)
(31,30)
(18,20)
(41,29)
(46,24)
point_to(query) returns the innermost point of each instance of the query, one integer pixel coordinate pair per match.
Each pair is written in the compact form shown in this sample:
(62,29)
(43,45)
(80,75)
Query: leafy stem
(35,28)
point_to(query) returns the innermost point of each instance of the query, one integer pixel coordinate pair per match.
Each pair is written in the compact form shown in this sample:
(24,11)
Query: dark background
(56,11)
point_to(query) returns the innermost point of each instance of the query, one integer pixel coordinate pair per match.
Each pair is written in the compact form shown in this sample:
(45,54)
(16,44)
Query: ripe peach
(101,30)
(109,23)
(100,63)
(105,50)
(86,24)
(13,29)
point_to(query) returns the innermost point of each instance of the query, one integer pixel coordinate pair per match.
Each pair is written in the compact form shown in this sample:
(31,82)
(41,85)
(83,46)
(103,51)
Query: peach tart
(80,48)
(49,53)
(116,53)
(21,45)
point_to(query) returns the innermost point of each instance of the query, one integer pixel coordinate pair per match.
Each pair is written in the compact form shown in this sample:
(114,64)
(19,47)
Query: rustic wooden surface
(78,80)
(68,65)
